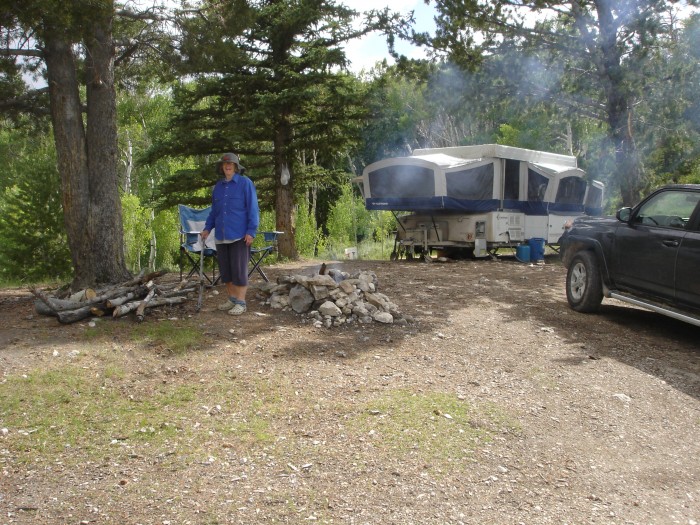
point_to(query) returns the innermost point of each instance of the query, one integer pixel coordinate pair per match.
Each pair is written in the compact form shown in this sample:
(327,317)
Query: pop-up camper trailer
(477,199)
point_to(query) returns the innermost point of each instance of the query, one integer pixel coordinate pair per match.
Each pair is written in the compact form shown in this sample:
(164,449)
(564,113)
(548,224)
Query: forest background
(112,114)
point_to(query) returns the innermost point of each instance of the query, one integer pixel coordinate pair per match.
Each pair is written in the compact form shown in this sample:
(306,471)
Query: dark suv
(648,255)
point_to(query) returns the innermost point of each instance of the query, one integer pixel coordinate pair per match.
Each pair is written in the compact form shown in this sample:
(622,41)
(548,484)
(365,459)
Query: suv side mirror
(624,214)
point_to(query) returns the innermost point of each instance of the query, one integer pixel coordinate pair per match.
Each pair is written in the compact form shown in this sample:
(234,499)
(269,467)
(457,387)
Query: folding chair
(191,224)
(257,255)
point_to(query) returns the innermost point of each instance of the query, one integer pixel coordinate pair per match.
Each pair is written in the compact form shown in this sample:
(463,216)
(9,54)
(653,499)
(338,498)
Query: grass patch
(49,412)
(114,372)
(175,337)
(261,404)
(436,427)
(73,415)
(254,430)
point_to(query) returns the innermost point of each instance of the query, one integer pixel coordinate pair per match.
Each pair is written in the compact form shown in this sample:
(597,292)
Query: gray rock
(267,287)
(329,308)
(383,317)
(341,302)
(347,287)
(322,280)
(319,292)
(336,293)
(367,276)
(300,299)
(338,275)
(359,310)
(279,301)
(335,299)
(365,286)
(376,300)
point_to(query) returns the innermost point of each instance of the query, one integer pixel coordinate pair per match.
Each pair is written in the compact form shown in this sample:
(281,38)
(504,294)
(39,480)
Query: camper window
(594,199)
(571,190)
(473,184)
(402,181)
(511,187)
(536,186)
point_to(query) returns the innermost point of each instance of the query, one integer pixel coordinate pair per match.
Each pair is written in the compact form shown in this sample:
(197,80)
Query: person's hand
(204,234)
(248,239)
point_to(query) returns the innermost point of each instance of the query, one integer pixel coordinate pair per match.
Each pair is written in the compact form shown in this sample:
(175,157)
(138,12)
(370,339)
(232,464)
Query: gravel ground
(497,405)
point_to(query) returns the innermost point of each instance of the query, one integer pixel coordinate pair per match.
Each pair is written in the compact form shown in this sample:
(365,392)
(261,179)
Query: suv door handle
(672,243)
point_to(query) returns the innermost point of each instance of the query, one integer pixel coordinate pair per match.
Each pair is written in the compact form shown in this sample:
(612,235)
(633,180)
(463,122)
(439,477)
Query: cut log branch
(60,305)
(177,293)
(113,303)
(124,309)
(71,316)
(137,294)
(98,312)
(83,295)
(142,307)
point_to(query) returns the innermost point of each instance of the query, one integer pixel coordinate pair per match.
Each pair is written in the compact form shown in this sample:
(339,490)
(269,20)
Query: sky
(365,52)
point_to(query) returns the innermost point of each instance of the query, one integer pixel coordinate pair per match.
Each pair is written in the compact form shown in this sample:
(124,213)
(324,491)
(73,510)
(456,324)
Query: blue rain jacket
(234,209)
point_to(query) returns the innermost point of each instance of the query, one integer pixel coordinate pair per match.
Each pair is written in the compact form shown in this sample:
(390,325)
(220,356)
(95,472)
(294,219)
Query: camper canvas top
(472,179)
(501,152)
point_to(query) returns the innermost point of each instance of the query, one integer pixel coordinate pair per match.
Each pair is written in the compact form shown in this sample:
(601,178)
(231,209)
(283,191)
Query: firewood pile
(135,295)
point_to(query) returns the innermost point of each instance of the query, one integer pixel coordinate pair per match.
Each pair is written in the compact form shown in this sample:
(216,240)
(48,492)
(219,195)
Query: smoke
(468,107)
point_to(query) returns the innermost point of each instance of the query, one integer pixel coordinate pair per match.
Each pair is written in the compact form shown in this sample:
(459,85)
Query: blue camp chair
(191,224)
(257,255)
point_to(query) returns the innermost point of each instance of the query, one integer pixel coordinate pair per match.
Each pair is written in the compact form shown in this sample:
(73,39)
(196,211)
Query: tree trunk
(69,137)
(629,167)
(153,252)
(87,161)
(284,192)
(103,156)
(618,99)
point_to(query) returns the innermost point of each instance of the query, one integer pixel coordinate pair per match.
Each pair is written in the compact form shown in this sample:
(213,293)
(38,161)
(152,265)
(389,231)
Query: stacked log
(135,295)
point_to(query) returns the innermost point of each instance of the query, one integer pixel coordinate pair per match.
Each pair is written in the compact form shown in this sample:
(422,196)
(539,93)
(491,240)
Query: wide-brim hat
(230,157)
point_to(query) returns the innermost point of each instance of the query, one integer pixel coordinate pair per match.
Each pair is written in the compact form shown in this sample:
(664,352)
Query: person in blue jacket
(234,217)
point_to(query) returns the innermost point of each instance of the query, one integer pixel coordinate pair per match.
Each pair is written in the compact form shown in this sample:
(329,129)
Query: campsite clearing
(496,405)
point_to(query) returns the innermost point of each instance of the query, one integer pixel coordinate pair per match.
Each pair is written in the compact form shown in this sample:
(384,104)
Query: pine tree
(74,44)
(269,85)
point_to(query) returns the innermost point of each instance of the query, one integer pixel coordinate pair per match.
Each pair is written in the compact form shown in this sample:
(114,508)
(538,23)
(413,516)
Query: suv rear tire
(584,287)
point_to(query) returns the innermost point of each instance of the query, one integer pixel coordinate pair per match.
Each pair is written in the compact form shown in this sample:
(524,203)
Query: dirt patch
(498,404)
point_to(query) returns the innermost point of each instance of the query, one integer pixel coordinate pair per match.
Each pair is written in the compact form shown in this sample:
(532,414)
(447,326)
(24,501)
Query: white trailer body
(479,198)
